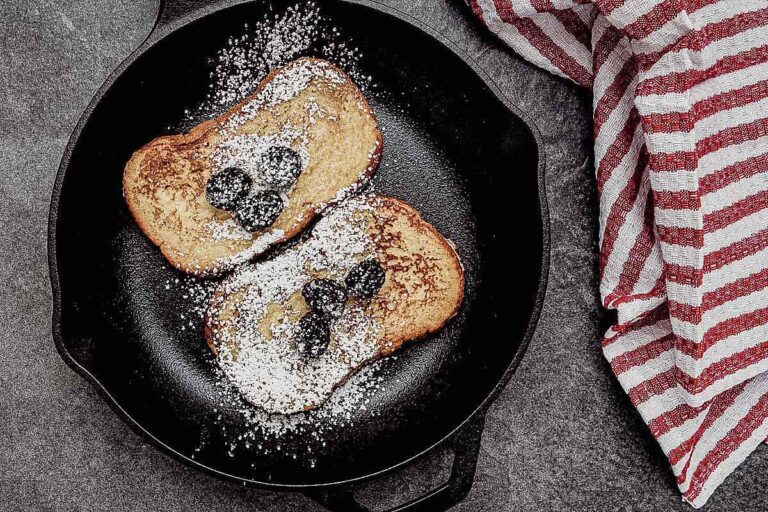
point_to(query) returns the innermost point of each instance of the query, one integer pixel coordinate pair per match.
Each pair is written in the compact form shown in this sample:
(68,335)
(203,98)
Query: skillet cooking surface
(452,149)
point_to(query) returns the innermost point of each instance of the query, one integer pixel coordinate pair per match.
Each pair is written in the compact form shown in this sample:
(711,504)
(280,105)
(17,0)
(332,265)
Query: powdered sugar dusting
(260,244)
(265,432)
(227,229)
(263,361)
(245,151)
(270,43)
(239,67)
(196,296)
(284,86)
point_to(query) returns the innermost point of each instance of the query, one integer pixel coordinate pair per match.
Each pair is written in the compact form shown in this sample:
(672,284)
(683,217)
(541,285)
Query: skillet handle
(466,446)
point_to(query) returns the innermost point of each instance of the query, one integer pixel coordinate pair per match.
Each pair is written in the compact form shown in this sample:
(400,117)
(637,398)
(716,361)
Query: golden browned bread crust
(308,104)
(423,289)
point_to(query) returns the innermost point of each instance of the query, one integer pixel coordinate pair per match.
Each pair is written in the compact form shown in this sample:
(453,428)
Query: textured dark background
(562,436)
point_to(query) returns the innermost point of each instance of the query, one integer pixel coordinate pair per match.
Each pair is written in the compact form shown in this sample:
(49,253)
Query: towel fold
(681,151)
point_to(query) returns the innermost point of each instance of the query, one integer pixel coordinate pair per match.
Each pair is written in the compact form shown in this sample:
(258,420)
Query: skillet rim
(164,28)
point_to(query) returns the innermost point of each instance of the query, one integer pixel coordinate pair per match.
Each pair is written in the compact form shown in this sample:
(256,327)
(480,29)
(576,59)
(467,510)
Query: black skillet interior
(452,149)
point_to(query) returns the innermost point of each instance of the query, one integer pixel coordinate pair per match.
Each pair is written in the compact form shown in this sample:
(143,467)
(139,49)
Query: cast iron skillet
(454,148)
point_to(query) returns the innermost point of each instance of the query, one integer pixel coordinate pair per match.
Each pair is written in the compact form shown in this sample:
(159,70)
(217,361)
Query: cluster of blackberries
(326,299)
(229,188)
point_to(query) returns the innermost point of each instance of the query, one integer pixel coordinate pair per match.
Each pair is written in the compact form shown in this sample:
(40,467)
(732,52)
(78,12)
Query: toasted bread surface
(308,105)
(252,317)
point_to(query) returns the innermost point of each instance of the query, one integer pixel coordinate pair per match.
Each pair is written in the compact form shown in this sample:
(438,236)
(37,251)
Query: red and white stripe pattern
(681,150)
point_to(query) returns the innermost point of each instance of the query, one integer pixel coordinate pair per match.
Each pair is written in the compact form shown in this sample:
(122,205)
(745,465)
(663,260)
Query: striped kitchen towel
(681,150)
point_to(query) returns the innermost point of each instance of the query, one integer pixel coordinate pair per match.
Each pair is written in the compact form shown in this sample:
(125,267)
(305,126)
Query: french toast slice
(252,319)
(310,106)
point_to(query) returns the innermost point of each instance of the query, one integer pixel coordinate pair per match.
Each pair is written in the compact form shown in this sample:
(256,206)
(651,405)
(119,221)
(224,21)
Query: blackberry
(280,167)
(312,335)
(227,188)
(259,211)
(325,296)
(365,279)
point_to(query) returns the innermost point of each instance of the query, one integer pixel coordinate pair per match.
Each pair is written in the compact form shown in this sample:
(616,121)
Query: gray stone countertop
(561,436)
